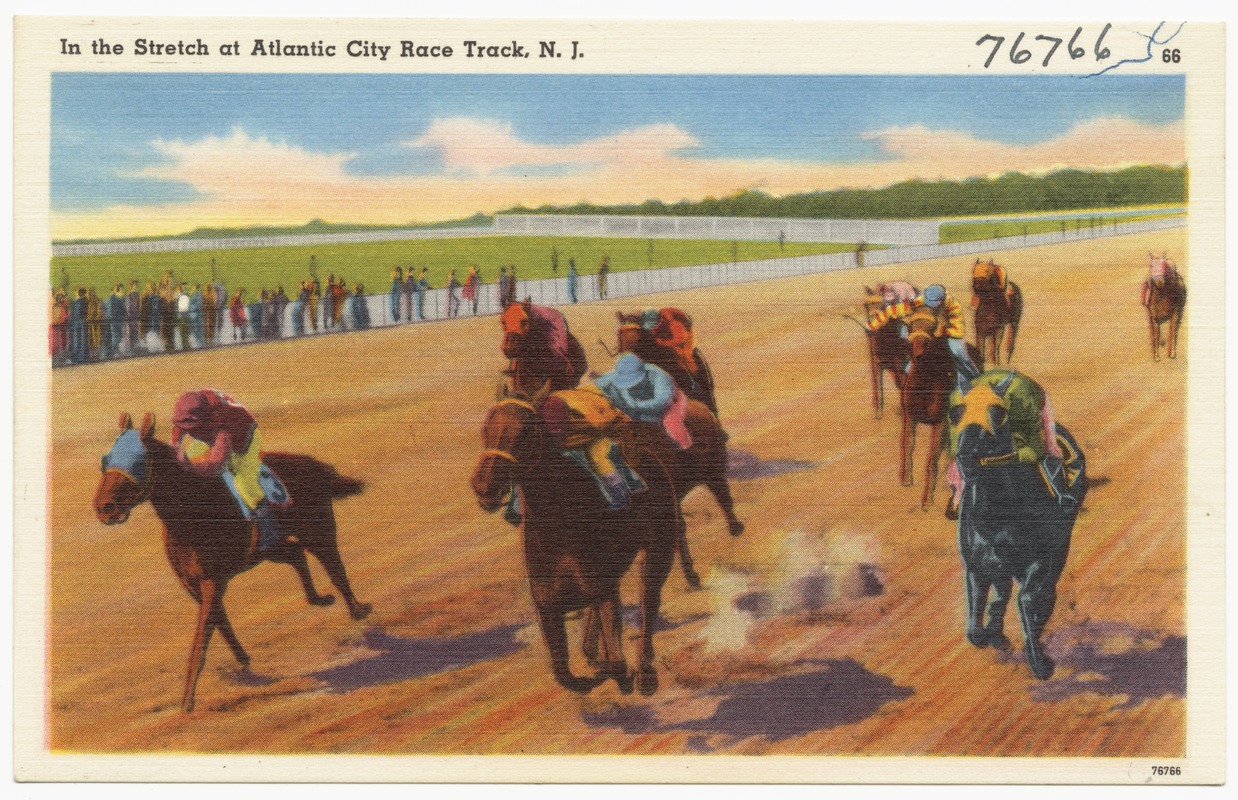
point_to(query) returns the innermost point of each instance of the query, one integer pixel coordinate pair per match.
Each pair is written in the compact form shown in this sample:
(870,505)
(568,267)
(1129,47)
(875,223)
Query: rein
(997,461)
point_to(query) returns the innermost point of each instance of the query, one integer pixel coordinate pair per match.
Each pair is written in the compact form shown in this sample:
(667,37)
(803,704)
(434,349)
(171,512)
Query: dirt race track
(834,625)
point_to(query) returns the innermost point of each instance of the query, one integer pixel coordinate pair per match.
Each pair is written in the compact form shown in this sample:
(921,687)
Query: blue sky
(111,132)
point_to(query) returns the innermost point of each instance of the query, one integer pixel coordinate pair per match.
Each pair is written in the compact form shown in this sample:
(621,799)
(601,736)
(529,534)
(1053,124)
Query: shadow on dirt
(402,659)
(1114,659)
(838,692)
(742,465)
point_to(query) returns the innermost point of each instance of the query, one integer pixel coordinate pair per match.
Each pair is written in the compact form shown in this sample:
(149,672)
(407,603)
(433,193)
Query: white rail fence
(388,309)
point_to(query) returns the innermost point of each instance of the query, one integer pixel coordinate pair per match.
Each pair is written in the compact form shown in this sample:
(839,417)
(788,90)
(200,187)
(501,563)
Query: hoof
(323,600)
(924,507)
(998,641)
(735,527)
(694,580)
(1042,668)
(908,482)
(647,681)
(977,638)
(578,685)
(624,682)
(952,510)
(360,610)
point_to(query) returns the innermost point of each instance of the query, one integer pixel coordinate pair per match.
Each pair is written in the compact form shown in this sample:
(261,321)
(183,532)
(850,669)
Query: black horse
(1015,519)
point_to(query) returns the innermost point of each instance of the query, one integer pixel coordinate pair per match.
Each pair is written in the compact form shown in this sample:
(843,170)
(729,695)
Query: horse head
(516,320)
(985,277)
(126,467)
(511,437)
(981,422)
(630,333)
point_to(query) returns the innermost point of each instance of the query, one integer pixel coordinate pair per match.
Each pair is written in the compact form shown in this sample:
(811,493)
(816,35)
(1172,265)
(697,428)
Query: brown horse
(1164,295)
(209,542)
(888,350)
(540,348)
(670,345)
(576,548)
(999,307)
(925,397)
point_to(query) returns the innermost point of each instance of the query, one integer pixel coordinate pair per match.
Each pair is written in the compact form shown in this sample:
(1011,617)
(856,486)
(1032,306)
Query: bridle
(497,452)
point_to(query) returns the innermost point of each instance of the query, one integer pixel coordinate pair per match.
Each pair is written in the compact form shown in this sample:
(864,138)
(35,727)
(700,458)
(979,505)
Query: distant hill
(313,226)
(1011,193)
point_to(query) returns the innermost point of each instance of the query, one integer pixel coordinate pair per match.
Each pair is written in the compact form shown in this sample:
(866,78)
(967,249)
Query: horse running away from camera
(999,308)
(576,548)
(1164,296)
(888,350)
(208,541)
(1015,520)
(669,343)
(540,348)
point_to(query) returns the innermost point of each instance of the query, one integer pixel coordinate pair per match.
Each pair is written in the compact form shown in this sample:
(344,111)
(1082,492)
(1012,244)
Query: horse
(925,394)
(999,307)
(888,350)
(576,548)
(1164,295)
(1011,526)
(208,541)
(670,345)
(540,348)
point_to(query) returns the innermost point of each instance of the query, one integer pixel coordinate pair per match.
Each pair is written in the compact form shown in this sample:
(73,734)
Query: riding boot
(511,514)
(634,483)
(268,529)
(615,488)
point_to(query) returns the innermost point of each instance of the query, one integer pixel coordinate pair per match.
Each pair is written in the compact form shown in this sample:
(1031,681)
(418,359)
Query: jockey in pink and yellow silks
(215,435)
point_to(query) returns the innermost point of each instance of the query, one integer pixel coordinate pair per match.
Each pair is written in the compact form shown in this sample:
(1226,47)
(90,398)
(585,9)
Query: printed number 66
(1171,56)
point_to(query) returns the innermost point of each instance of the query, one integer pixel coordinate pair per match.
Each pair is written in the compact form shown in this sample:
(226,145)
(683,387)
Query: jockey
(1032,428)
(215,435)
(995,273)
(949,314)
(1159,271)
(647,394)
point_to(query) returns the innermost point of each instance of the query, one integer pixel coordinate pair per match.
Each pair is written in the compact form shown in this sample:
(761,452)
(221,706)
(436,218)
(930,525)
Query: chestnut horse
(209,542)
(541,349)
(576,548)
(888,351)
(925,397)
(1164,295)
(998,310)
(670,345)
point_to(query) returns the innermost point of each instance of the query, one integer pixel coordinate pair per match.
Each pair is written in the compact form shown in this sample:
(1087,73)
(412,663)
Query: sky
(143,154)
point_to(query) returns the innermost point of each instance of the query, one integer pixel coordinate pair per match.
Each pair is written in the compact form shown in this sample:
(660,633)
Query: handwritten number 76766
(1021,55)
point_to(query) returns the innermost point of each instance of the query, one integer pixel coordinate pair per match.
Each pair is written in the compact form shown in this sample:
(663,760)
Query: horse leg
(976,593)
(1037,597)
(906,448)
(220,620)
(994,635)
(998,336)
(1175,322)
(328,554)
(720,488)
(1014,329)
(654,570)
(590,629)
(312,596)
(555,634)
(932,457)
(1155,331)
(875,367)
(615,666)
(685,556)
(208,589)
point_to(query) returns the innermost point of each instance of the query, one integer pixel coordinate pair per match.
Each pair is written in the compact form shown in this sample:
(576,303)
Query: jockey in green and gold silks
(1030,417)
(950,324)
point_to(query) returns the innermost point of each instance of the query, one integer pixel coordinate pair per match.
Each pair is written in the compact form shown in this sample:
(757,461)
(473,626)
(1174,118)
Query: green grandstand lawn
(371,263)
(975,231)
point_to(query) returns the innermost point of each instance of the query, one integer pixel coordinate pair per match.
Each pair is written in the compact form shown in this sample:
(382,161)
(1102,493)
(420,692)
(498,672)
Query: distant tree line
(1013,192)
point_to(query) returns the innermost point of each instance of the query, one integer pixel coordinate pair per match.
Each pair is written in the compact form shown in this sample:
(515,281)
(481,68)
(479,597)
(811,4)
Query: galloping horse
(541,348)
(1164,295)
(209,542)
(999,307)
(670,344)
(1011,525)
(888,351)
(925,395)
(576,548)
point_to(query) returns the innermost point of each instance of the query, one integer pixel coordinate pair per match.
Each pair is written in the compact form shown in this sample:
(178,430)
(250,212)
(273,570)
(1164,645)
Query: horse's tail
(302,473)
(344,486)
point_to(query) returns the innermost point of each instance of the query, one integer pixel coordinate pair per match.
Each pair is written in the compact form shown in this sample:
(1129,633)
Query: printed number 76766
(1160,770)
(1023,55)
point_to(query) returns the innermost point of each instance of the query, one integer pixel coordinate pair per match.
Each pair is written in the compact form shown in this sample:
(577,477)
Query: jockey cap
(629,371)
(934,295)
